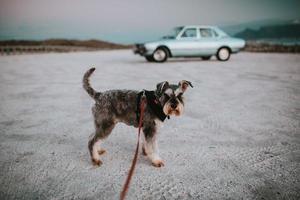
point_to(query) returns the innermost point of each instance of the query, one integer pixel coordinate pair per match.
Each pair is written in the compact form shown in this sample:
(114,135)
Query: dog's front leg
(150,146)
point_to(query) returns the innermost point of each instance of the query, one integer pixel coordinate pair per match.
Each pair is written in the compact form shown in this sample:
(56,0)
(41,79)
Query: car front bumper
(139,49)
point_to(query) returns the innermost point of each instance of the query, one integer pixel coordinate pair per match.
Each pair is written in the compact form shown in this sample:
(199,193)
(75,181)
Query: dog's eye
(179,97)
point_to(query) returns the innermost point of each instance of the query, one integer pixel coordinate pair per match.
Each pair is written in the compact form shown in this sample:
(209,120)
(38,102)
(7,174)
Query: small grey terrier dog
(115,106)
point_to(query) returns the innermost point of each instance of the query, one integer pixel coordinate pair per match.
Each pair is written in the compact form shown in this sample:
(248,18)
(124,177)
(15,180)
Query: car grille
(139,49)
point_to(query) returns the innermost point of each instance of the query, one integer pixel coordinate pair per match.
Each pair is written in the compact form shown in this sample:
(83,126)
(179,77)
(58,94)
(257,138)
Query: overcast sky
(129,21)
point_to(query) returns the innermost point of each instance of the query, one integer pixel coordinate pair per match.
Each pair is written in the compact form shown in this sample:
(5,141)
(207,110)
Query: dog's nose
(173,105)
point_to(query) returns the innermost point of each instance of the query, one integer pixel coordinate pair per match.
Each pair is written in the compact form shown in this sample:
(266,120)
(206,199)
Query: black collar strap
(153,103)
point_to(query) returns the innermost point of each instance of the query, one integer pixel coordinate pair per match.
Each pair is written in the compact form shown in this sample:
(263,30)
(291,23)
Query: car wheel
(149,58)
(205,57)
(160,55)
(223,54)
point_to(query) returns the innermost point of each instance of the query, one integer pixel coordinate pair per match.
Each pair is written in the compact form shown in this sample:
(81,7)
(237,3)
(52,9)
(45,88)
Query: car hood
(159,41)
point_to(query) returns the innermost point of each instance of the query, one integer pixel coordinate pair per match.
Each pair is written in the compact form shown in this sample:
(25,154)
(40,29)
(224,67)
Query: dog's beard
(170,111)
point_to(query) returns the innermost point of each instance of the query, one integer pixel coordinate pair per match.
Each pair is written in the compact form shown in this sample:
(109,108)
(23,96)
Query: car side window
(206,33)
(216,34)
(189,33)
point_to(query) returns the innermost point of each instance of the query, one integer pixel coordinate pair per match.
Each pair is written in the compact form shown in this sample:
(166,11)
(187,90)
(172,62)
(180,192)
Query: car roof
(197,26)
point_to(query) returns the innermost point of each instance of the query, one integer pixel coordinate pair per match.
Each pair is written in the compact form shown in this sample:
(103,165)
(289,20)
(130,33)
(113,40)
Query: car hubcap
(159,55)
(224,54)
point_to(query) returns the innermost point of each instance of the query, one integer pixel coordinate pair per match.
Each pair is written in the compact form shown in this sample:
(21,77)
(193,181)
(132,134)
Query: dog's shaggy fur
(115,106)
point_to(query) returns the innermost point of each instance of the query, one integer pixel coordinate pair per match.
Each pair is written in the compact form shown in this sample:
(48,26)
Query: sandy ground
(238,139)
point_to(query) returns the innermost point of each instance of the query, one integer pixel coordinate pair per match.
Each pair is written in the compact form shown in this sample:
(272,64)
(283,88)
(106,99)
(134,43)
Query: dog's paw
(144,151)
(96,162)
(101,151)
(158,163)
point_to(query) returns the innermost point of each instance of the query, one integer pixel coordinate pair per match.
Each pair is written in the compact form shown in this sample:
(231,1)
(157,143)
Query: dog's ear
(160,87)
(184,84)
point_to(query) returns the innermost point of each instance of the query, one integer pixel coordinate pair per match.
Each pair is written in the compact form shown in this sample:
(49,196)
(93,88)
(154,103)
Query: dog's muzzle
(173,107)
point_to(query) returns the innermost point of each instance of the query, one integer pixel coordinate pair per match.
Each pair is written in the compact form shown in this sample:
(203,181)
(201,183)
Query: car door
(208,41)
(186,43)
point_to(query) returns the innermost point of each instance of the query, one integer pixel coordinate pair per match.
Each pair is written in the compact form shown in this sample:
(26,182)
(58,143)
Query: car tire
(223,54)
(205,57)
(160,55)
(149,58)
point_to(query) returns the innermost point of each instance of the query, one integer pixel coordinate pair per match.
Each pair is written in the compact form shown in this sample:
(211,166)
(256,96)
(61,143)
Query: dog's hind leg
(93,143)
(103,129)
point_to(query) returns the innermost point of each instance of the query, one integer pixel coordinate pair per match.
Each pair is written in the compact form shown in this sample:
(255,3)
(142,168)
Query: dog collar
(153,103)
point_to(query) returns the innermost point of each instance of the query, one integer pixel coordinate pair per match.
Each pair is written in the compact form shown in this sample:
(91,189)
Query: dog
(115,106)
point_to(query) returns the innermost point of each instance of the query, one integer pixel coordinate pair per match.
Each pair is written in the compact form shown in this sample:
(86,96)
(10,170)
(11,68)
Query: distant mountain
(97,44)
(288,31)
(255,25)
(13,47)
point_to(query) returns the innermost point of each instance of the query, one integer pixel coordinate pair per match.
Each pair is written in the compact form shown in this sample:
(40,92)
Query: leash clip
(143,94)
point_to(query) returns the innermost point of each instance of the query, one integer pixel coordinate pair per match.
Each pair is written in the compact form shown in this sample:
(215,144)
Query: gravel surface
(238,138)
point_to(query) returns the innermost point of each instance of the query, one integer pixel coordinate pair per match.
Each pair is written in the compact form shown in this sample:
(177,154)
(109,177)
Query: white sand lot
(239,136)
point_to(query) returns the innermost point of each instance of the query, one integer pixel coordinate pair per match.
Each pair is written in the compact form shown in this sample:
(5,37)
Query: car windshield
(173,33)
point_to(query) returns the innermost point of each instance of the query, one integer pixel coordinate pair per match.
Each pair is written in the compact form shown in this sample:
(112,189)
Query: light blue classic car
(191,41)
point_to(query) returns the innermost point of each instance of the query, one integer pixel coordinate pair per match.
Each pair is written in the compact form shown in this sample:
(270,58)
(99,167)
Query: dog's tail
(86,83)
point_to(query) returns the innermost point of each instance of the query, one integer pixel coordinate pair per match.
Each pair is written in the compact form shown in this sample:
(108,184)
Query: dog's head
(171,96)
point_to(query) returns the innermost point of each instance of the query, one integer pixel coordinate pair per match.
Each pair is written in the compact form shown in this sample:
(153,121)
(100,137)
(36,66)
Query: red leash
(133,164)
